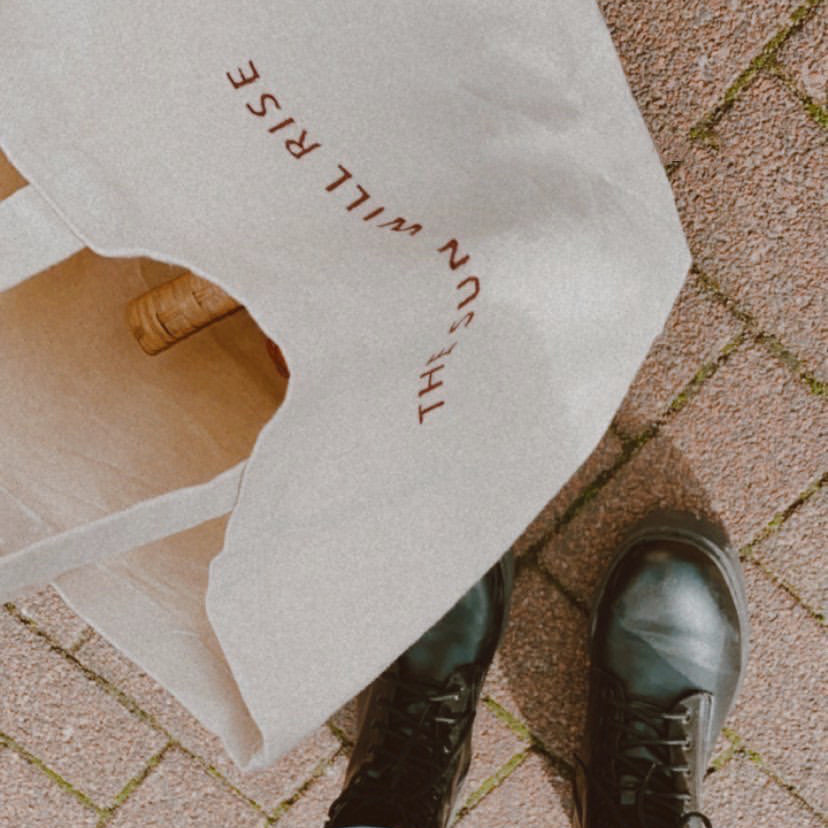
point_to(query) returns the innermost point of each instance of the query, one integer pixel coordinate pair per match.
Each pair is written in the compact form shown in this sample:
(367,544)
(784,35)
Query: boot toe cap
(667,624)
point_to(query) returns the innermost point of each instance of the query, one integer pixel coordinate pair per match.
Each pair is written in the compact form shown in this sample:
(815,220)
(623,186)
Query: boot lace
(640,784)
(420,727)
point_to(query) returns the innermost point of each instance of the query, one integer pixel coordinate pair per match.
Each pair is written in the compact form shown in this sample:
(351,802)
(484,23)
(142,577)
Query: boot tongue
(643,758)
(642,752)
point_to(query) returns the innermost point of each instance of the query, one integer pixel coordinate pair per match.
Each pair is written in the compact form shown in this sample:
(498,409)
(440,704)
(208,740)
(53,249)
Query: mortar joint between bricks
(564,768)
(746,752)
(748,552)
(340,735)
(703,130)
(127,702)
(216,774)
(518,727)
(782,517)
(531,560)
(11,744)
(491,784)
(768,341)
(816,112)
(630,448)
(779,581)
(107,686)
(722,760)
(134,784)
(318,771)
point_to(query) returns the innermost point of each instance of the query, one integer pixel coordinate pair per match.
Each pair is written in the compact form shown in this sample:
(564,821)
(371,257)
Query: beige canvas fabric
(449,216)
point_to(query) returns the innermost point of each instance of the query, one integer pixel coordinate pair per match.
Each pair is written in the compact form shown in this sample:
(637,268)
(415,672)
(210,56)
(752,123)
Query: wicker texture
(172,311)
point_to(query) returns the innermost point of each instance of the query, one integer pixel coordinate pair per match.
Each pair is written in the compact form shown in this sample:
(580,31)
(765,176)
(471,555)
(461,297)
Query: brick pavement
(729,415)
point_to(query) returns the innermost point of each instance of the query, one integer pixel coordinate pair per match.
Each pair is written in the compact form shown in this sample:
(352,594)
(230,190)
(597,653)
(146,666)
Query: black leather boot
(413,747)
(668,647)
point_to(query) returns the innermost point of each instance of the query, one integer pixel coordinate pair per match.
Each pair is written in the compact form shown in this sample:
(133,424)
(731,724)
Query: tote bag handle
(144,522)
(32,237)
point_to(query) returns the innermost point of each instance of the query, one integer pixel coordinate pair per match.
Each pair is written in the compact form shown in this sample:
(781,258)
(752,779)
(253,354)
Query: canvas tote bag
(450,217)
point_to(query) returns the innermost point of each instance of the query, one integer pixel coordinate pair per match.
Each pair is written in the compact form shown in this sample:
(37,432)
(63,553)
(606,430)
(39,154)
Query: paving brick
(680,57)
(49,611)
(533,796)
(605,454)
(781,710)
(178,792)
(805,56)
(743,448)
(754,216)
(493,744)
(497,684)
(312,809)
(798,552)
(66,720)
(657,477)
(29,799)
(267,787)
(543,656)
(742,795)
(755,439)
(345,719)
(696,330)
(10,178)
(723,750)
(498,688)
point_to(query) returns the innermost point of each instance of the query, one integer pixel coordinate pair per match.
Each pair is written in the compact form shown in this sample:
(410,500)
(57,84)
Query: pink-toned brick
(755,438)
(781,711)
(696,330)
(605,454)
(497,685)
(48,610)
(30,799)
(345,719)
(805,56)
(493,744)
(311,810)
(742,794)
(743,448)
(680,57)
(499,688)
(723,751)
(532,796)
(657,477)
(798,552)
(178,792)
(267,787)
(543,657)
(49,707)
(753,212)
